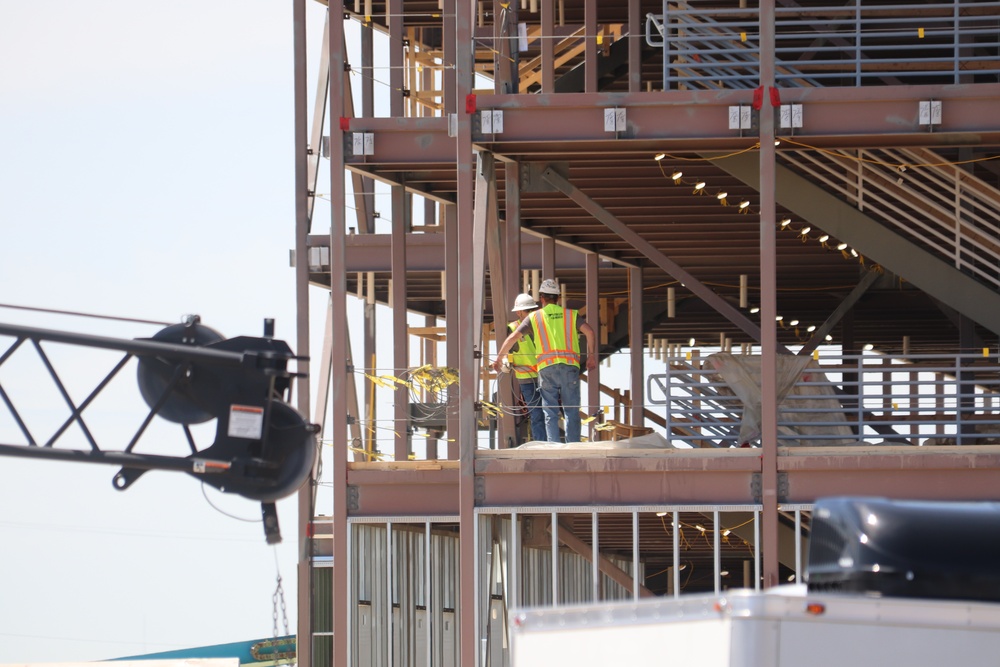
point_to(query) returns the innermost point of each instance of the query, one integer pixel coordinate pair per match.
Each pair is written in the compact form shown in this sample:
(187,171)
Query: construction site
(781,220)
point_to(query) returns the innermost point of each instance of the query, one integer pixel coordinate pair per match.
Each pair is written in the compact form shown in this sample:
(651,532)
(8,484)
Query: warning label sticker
(246,421)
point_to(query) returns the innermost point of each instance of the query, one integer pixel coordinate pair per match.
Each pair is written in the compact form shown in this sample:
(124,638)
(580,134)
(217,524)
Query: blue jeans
(533,401)
(555,382)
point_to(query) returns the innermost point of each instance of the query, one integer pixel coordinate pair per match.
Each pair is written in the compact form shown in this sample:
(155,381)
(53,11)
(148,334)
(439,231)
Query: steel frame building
(665,161)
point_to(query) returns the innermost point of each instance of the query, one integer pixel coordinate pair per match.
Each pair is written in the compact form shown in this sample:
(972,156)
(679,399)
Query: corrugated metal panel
(363,645)
(369,589)
(397,610)
(322,600)
(536,589)
(396,576)
(404,584)
(421,623)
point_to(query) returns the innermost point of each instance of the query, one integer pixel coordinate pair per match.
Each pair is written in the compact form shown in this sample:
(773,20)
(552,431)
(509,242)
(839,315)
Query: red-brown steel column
(452,325)
(429,356)
(634,46)
(768,307)
(635,344)
(367,70)
(397,68)
(367,195)
(448,89)
(400,333)
(451,241)
(369,350)
(590,46)
(467,368)
(504,26)
(305,496)
(548,47)
(512,230)
(338,329)
(594,319)
(494,242)
(511,256)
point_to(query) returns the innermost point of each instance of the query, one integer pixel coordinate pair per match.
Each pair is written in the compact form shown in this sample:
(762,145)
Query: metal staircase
(930,201)
(938,206)
(853,44)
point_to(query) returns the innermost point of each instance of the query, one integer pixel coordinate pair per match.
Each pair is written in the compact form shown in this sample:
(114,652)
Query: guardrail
(943,208)
(833,45)
(832,400)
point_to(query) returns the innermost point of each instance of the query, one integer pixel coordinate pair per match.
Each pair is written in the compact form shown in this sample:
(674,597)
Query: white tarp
(801,385)
(648,441)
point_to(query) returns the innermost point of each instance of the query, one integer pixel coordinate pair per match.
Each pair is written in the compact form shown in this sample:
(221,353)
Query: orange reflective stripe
(548,353)
(552,358)
(538,323)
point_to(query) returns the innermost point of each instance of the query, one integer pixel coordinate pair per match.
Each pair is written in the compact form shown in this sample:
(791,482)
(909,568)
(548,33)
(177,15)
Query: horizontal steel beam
(573,123)
(849,117)
(889,115)
(682,476)
(970,472)
(400,140)
(425,252)
(423,487)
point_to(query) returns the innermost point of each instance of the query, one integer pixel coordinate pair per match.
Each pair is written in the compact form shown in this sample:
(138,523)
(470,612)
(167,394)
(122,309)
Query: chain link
(278,599)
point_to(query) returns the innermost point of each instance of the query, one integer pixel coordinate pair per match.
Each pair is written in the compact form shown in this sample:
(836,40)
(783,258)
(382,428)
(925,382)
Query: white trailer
(891,583)
(785,627)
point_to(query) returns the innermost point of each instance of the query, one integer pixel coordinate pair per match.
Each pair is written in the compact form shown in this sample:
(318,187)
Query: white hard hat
(549,286)
(523,302)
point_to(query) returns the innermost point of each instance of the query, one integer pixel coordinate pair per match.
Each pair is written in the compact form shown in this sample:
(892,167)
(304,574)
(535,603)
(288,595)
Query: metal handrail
(869,40)
(863,399)
(950,213)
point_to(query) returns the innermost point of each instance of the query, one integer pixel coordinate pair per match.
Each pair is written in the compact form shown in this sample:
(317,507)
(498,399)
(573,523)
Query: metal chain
(279,599)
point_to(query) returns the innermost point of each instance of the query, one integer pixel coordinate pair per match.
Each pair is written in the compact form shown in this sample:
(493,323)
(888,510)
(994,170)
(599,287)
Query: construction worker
(557,348)
(522,362)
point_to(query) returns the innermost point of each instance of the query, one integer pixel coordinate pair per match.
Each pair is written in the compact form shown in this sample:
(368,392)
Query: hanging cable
(222,511)
(278,600)
(79,314)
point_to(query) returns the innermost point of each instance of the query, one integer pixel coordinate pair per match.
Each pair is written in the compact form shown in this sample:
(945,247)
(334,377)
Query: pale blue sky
(146,171)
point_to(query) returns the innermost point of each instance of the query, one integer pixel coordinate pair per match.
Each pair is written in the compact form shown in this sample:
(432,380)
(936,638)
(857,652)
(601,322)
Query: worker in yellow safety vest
(522,362)
(557,352)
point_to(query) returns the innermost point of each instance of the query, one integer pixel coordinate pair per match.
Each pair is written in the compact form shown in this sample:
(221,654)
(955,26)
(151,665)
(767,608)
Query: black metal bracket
(269,515)
(188,374)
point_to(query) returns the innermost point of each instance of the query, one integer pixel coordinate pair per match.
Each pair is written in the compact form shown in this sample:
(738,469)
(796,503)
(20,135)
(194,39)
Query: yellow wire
(894,165)
(709,159)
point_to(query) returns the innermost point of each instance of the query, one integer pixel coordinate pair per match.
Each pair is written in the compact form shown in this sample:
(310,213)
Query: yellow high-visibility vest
(556,341)
(523,360)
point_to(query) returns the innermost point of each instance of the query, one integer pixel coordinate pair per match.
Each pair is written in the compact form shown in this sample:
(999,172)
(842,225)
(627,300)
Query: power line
(79,314)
